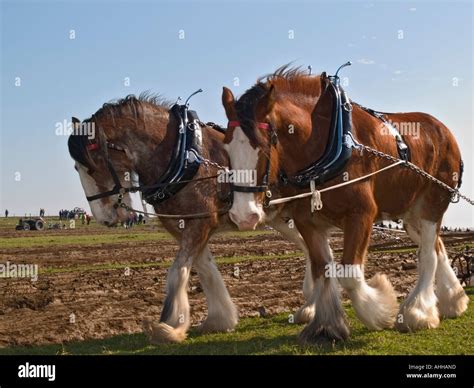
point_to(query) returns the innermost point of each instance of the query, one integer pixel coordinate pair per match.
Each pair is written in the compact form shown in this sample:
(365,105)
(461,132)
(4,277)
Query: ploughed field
(95,282)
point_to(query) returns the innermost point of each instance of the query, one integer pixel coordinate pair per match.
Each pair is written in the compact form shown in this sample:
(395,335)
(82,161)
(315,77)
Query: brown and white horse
(138,135)
(288,102)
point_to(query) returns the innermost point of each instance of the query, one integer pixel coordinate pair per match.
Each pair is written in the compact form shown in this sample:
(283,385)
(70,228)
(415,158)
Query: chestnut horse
(138,135)
(287,103)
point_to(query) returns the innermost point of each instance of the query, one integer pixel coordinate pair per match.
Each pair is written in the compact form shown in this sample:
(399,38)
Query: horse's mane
(132,104)
(129,106)
(292,83)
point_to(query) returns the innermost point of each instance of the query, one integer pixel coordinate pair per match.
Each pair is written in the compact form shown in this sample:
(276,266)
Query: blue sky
(429,70)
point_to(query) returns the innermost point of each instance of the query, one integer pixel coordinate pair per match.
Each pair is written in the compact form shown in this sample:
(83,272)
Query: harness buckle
(347,106)
(192,126)
(266,201)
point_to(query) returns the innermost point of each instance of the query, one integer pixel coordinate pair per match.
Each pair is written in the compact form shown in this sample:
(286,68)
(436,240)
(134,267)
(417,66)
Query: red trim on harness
(93,146)
(263,125)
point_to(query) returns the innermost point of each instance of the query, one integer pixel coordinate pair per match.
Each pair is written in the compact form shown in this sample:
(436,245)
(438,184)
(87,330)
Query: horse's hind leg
(452,300)
(175,316)
(419,309)
(222,314)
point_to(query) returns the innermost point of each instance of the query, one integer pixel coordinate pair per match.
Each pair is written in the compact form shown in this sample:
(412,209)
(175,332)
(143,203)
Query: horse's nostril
(248,221)
(254,217)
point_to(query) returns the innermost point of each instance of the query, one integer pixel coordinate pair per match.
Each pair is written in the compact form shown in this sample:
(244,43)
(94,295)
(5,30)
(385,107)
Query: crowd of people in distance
(85,218)
(134,219)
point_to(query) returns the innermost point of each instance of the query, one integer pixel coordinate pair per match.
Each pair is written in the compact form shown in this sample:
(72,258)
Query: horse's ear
(267,102)
(228,101)
(75,122)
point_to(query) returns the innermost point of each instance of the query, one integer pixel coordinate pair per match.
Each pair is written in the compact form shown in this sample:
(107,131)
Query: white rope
(316,202)
(315,194)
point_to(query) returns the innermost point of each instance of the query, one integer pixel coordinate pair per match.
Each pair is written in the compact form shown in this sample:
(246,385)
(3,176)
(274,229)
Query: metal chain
(208,163)
(455,194)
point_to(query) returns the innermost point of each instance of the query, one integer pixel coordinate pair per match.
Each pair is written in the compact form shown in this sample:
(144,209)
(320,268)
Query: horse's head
(250,143)
(103,165)
(269,118)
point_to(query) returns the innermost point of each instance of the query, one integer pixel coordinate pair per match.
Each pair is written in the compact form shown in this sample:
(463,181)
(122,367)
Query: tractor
(30,224)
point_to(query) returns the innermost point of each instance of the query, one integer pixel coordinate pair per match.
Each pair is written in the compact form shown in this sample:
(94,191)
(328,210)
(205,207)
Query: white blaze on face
(245,212)
(100,212)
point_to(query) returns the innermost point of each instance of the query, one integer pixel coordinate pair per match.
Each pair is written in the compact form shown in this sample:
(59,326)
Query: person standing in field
(6,213)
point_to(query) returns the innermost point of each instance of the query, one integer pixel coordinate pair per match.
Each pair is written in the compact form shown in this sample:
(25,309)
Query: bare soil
(72,300)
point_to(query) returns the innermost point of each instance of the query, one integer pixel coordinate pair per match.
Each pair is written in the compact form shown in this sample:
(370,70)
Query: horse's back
(432,145)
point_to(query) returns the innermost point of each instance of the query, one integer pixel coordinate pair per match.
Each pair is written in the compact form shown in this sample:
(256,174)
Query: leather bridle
(264,187)
(118,188)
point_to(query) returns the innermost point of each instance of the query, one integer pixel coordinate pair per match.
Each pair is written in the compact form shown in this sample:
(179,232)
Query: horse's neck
(151,150)
(303,142)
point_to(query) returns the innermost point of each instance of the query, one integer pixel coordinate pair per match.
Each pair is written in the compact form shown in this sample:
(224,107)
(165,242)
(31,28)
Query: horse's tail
(461,170)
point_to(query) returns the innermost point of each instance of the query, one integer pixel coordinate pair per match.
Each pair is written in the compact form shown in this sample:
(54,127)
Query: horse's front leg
(175,316)
(306,312)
